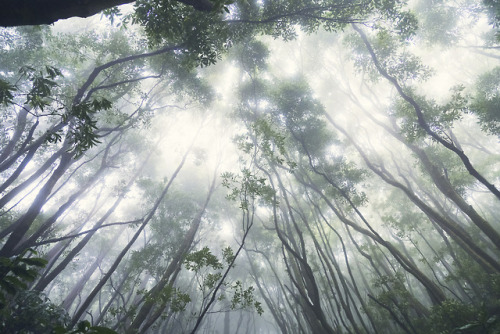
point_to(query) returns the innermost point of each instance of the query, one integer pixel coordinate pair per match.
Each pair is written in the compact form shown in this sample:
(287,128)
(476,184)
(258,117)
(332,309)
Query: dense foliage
(312,166)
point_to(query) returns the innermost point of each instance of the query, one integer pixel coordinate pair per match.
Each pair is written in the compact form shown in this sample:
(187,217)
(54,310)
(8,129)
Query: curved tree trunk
(23,224)
(174,265)
(36,12)
(88,301)
(450,145)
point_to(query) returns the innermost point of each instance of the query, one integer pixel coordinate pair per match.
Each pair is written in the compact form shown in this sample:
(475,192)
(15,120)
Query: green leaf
(83,326)
(101,330)
(24,273)
(11,285)
(53,72)
(35,261)
(6,89)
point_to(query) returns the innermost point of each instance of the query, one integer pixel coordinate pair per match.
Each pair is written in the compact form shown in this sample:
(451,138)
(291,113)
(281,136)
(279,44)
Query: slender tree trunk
(21,125)
(227,323)
(110,301)
(489,264)
(35,145)
(310,293)
(81,190)
(42,169)
(450,145)
(88,301)
(275,312)
(174,265)
(68,258)
(25,221)
(78,287)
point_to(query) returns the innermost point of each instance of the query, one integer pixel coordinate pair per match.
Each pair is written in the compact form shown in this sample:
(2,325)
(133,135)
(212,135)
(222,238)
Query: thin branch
(49,241)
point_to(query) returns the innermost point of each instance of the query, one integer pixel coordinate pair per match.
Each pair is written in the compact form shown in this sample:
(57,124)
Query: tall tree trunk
(310,292)
(78,287)
(23,224)
(174,265)
(435,293)
(489,264)
(42,283)
(19,188)
(29,242)
(19,129)
(88,301)
(450,145)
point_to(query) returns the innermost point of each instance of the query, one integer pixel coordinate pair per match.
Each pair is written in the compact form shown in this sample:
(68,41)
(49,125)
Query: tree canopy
(246,166)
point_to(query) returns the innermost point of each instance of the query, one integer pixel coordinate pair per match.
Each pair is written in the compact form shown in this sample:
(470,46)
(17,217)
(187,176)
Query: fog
(263,167)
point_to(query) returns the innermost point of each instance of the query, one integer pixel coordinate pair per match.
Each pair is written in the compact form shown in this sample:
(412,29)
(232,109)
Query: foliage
(244,298)
(438,22)
(439,117)
(32,312)
(200,261)
(323,255)
(25,311)
(40,96)
(392,54)
(172,296)
(16,272)
(194,261)
(457,318)
(485,102)
(202,35)
(246,188)
(493,7)
(84,327)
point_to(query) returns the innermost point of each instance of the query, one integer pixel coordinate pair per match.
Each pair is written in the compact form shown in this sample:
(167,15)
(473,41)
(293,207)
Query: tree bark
(23,224)
(36,12)
(21,125)
(488,263)
(450,145)
(78,287)
(88,301)
(149,303)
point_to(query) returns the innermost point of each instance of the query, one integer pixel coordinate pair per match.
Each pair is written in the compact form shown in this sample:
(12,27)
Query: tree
(348,211)
(33,12)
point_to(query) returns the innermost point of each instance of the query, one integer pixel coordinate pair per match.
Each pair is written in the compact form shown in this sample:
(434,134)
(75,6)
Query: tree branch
(36,12)
(50,241)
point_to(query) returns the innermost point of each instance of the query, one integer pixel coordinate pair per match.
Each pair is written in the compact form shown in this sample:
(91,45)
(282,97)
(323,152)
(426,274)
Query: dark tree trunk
(174,265)
(78,288)
(23,224)
(21,125)
(459,235)
(449,144)
(88,301)
(36,12)
(299,268)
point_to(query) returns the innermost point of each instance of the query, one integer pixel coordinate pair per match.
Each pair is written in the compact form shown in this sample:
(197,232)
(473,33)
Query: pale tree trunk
(449,144)
(88,301)
(23,224)
(78,287)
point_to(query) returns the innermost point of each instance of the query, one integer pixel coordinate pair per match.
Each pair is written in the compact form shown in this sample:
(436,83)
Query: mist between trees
(252,167)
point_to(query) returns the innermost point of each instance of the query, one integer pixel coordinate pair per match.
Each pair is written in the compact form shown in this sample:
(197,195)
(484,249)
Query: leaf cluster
(83,124)
(485,101)
(197,260)
(439,117)
(246,188)
(16,272)
(25,311)
(244,298)
(392,55)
